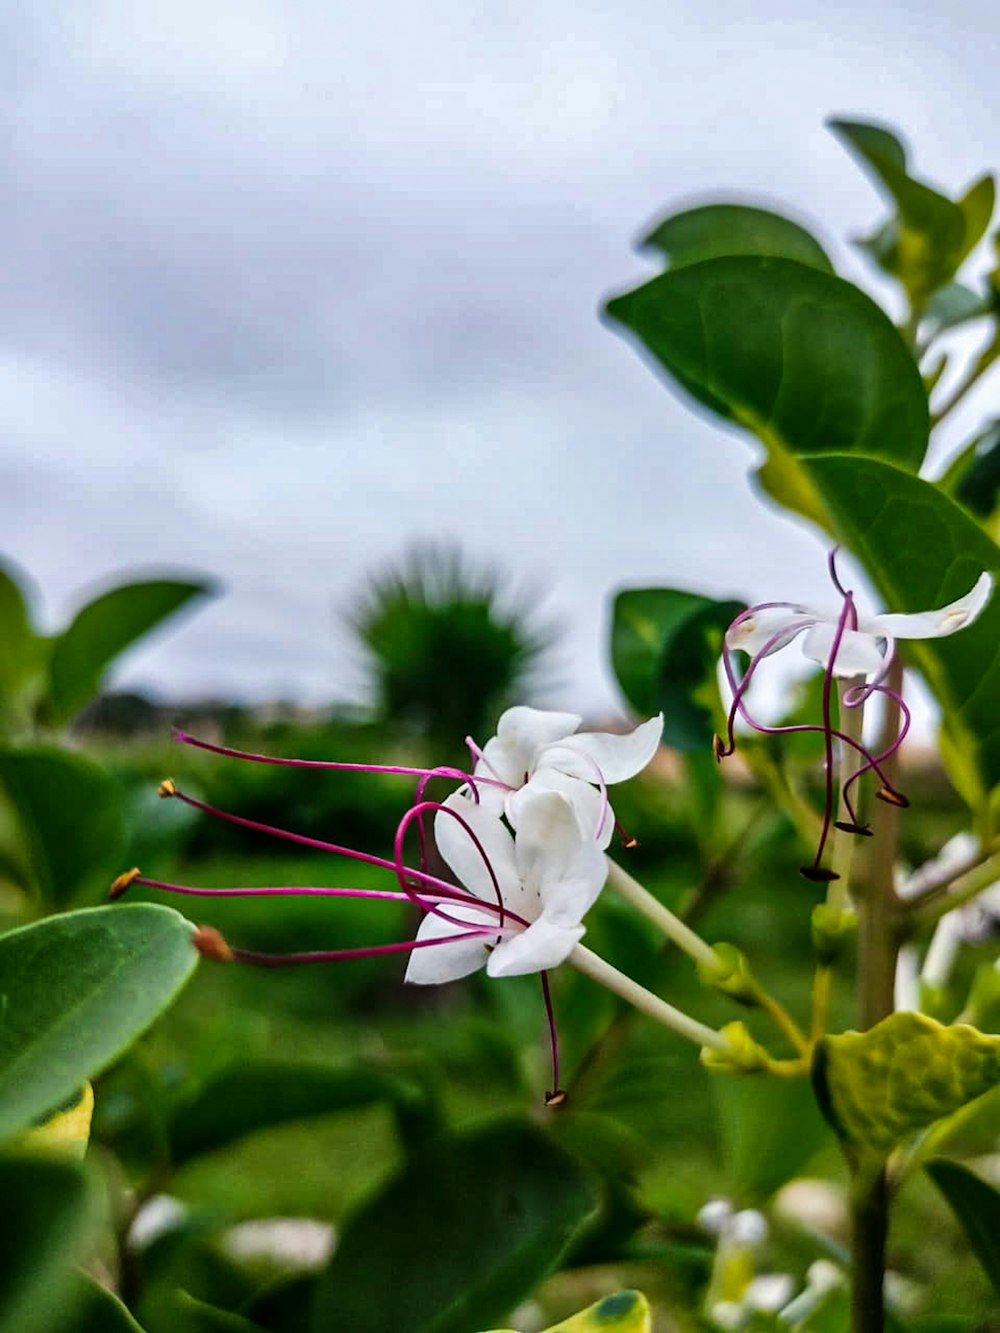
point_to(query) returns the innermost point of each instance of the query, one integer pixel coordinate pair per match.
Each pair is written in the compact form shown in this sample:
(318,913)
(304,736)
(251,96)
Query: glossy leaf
(923,551)
(978,488)
(68,809)
(715,230)
(802,359)
(460,1236)
(927,244)
(103,629)
(46,1209)
(878,1087)
(78,989)
(769,1129)
(258,1094)
(976,1204)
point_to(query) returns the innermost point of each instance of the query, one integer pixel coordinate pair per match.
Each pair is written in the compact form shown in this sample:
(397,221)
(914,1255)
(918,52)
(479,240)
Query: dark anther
(893,797)
(845,826)
(557,1098)
(718,748)
(818,874)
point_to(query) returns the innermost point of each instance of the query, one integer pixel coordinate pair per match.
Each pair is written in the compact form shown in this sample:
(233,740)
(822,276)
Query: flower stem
(838,891)
(595,967)
(672,926)
(878,947)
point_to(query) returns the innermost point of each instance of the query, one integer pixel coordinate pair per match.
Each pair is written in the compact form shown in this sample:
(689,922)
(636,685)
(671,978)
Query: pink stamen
(557,1092)
(347,955)
(308,891)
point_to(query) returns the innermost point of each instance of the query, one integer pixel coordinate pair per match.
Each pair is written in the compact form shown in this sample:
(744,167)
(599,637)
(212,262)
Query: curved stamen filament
(417,812)
(848,618)
(347,955)
(556,1095)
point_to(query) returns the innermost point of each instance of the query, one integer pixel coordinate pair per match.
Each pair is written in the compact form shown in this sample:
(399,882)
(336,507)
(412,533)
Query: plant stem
(930,907)
(672,926)
(878,946)
(595,967)
(838,897)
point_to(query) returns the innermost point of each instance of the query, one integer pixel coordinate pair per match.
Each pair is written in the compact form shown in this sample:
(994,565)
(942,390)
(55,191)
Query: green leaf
(953,304)
(189,1315)
(715,230)
(103,629)
(925,246)
(624,1312)
(459,1237)
(77,990)
(257,1094)
(20,647)
(69,811)
(642,620)
(978,488)
(94,1310)
(977,1207)
(46,1210)
(922,551)
(687,689)
(878,1087)
(977,205)
(769,1130)
(805,361)
(665,647)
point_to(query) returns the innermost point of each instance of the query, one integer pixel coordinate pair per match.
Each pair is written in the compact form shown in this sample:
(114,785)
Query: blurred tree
(448,645)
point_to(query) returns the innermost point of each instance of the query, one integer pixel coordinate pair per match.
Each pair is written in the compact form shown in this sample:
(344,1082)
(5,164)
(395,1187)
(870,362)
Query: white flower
(546,880)
(537,751)
(865,648)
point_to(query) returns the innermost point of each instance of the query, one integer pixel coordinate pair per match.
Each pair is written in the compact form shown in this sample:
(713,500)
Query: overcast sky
(288,284)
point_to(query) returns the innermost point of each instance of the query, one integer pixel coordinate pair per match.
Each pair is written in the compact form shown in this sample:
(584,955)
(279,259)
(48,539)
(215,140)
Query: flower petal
(857,654)
(755,630)
(590,807)
(562,868)
(601,756)
(454,958)
(509,755)
(543,945)
(466,860)
(935,624)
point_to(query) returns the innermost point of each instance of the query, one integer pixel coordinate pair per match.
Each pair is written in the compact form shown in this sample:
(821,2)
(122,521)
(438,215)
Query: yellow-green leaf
(880,1086)
(66,1133)
(625,1312)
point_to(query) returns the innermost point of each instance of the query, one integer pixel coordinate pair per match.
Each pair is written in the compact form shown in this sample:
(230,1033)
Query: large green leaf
(77,990)
(769,1129)
(802,359)
(977,1207)
(260,1093)
(458,1238)
(924,246)
(46,1209)
(69,812)
(923,551)
(665,647)
(714,230)
(102,630)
